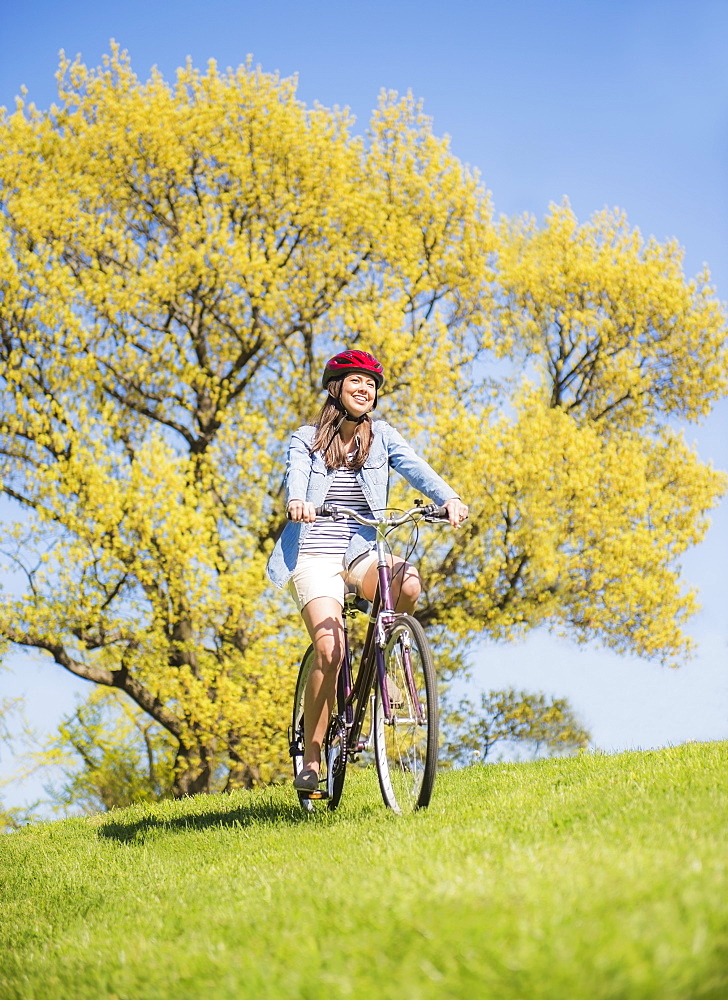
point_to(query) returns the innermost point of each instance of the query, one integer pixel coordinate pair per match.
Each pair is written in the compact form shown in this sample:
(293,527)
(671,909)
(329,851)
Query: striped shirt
(329,537)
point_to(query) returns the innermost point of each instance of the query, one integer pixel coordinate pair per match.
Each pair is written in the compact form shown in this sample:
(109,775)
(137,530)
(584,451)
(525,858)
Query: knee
(411,584)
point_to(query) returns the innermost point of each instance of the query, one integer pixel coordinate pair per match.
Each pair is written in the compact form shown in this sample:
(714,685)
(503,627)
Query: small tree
(11,720)
(535,720)
(112,754)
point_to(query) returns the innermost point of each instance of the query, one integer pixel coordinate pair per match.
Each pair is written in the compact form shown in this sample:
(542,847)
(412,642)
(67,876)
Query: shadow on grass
(135,829)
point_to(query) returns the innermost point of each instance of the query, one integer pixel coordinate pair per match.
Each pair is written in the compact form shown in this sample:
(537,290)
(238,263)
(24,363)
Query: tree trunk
(242,775)
(193,771)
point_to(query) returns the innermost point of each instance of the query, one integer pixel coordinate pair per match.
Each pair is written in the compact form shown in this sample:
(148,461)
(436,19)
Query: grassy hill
(594,877)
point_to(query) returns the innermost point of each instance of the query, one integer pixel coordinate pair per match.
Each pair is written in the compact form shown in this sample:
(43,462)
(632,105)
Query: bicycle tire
(406,746)
(334,754)
(297,744)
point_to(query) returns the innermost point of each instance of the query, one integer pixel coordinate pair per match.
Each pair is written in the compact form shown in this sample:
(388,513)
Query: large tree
(176,262)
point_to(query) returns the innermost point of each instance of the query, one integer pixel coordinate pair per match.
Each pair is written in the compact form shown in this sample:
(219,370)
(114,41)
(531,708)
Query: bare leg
(406,585)
(322,617)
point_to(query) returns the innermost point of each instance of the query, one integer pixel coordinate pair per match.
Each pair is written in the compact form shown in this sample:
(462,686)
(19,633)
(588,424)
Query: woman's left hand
(457,511)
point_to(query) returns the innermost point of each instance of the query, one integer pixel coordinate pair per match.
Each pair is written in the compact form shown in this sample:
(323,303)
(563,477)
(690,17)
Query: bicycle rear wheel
(333,757)
(296,734)
(405,736)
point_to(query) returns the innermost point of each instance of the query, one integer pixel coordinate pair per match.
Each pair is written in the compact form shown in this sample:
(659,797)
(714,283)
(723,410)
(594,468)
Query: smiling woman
(344,458)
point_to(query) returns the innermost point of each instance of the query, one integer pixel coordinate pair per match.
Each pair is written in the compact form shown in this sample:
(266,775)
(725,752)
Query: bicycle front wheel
(406,730)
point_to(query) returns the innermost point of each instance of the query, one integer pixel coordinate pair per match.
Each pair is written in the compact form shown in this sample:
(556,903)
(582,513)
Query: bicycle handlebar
(428,512)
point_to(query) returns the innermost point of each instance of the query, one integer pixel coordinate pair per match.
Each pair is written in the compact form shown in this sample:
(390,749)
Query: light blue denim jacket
(307,478)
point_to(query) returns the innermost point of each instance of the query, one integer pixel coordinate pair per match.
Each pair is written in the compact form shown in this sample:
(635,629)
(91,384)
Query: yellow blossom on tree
(177,261)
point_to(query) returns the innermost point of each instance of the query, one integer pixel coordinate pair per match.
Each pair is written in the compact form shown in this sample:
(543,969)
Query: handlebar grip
(434,513)
(323,511)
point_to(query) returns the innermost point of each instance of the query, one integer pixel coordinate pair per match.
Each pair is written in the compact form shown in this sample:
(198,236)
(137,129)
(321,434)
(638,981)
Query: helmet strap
(345,416)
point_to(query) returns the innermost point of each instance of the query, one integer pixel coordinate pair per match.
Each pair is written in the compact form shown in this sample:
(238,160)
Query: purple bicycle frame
(386,610)
(382,614)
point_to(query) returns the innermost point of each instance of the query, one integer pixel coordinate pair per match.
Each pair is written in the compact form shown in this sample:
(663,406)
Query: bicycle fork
(384,621)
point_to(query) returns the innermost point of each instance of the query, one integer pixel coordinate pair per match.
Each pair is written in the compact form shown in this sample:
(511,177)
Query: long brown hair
(327,439)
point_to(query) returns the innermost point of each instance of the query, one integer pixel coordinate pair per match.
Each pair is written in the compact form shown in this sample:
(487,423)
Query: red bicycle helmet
(353,363)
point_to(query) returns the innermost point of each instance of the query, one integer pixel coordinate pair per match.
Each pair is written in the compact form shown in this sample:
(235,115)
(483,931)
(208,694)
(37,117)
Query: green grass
(595,877)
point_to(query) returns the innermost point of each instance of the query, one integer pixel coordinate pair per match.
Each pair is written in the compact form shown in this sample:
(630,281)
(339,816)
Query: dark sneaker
(306,781)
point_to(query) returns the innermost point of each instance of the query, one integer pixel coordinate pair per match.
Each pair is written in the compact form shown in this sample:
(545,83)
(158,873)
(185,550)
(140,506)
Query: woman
(344,458)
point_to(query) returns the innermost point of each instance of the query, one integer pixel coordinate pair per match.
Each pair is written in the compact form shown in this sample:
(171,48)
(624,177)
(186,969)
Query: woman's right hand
(301,510)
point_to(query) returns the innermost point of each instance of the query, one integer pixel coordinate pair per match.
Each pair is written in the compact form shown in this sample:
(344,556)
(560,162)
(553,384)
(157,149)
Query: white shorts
(325,576)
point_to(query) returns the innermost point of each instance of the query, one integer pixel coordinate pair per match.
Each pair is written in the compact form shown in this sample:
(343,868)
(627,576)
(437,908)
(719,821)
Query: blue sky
(613,103)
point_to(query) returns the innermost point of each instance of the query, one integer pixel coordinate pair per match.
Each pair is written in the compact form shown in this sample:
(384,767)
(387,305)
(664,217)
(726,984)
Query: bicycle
(395,681)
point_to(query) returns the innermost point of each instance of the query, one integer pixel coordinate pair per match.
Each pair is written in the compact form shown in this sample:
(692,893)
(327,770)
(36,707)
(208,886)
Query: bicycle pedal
(318,794)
